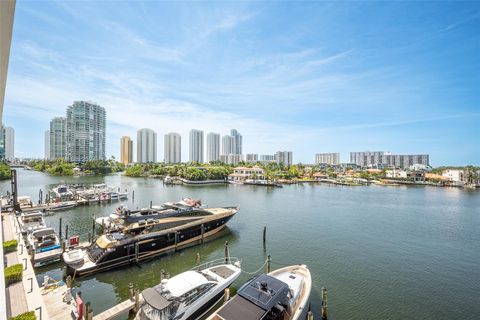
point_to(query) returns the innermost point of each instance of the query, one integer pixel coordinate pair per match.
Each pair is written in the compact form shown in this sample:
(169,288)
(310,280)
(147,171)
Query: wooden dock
(121,308)
(57,309)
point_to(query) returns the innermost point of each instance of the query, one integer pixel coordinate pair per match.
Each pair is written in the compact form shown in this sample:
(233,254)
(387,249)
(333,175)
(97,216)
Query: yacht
(29,222)
(123,216)
(44,246)
(283,294)
(146,239)
(190,294)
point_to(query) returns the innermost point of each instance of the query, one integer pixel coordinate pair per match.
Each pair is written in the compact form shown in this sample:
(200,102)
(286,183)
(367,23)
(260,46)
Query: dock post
(89,238)
(151,204)
(269,259)
(93,227)
(264,234)
(202,232)
(87,310)
(130,290)
(227,254)
(310,315)
(137,250)
(133,195)
(137,299)
(227,294)
(66,232)
(68,281)
(324,309)
(60,228)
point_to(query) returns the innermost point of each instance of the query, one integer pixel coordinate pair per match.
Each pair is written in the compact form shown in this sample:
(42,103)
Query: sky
(307,77)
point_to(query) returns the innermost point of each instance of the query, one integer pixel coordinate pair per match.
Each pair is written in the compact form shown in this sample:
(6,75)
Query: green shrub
(10,246)
(13,274)
(30,315)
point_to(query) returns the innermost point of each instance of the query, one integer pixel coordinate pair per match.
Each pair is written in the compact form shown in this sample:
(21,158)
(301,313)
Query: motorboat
(59,206)
(191,294)
(74,257)
(29,222)
(149,238)
(282,294)
(117,195)
(63,193)
(44,246)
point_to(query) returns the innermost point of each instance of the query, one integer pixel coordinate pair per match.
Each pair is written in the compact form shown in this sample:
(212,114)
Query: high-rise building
(231,158)
(9,144)
(146,146)
(251,157)
(46,154)
(213,147)
(284,157)
(7,12)
(327,158)
(196,146)
(86,125)
(266,158)
(381,159)
(126,150)
(2,142)
(228,145)
(58,138)
(237,147)
(173,148)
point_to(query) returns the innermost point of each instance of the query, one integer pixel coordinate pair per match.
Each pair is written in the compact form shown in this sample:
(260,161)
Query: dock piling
(89,238)
(310,315)
(137,299)
(93,227)
(66,232)
(197,259)
(202,232)
(60,227)
(227,294)
(227,254)
(151,204)
(324,309)
(133,195)
(87,310)
(269,259)
(264,234)
(130,290)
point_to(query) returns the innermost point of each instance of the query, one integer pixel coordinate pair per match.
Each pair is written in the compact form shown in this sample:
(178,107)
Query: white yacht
(190,294)
(30,222)
(283,294)
(63,193)
(59,206)
(44,246)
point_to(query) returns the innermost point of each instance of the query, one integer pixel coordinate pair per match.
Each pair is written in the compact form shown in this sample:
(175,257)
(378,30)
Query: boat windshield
(156,306)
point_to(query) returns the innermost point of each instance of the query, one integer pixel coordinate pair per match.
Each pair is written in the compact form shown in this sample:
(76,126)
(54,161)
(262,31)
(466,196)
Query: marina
(331,259)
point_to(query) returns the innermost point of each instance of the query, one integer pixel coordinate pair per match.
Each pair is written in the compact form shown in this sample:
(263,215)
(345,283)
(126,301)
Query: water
(382,252)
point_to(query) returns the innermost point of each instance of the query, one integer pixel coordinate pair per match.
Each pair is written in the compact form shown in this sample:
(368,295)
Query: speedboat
(63,193)
(62,206)
(44,246)
(190,294)
(30,222)
(282,294)
(74,257)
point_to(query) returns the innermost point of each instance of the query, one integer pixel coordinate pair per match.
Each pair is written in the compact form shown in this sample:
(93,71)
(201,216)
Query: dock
(121,308)
(57,309)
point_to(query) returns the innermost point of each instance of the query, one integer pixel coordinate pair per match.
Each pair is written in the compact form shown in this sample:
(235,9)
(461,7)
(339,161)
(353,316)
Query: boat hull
(157,245)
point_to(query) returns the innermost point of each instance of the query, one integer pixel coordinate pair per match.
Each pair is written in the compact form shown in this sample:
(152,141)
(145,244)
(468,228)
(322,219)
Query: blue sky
(309,77)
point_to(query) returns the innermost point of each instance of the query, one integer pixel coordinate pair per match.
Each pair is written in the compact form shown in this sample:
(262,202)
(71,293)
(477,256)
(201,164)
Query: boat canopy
(43,232)
(185,282)
(155,298)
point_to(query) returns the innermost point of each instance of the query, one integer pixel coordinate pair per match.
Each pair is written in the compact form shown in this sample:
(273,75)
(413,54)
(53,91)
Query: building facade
(9,144)
(86,132)
(231,158)
(237,141)
(146,146)
(453,175)
(251,157)
(383,159)
(327,158)
(228,145)
(284,157)
(172,148)
(196,146)
(266,158)
(126,150)
(241,174)
(213,147)
(46,151)
(58,138)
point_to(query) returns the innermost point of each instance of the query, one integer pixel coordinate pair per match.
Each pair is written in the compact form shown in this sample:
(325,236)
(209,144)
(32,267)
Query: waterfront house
(455,176)
(240,174)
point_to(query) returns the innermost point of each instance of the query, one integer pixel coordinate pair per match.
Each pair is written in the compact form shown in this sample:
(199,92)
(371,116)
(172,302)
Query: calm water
(382,252)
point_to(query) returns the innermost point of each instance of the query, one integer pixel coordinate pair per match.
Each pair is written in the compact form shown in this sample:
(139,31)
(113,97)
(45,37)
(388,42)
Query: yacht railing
(217,262)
